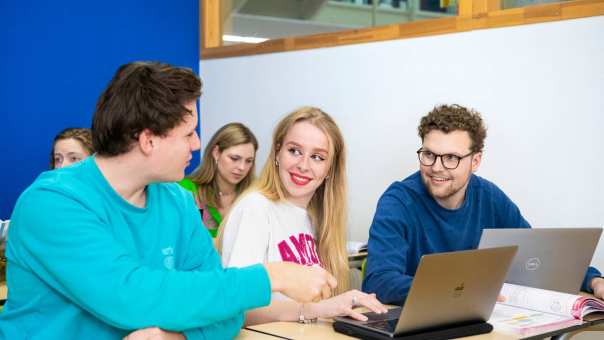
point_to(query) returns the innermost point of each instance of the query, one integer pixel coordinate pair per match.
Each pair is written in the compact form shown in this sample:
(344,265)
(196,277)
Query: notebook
(548,258)
(449,290)
(529,311)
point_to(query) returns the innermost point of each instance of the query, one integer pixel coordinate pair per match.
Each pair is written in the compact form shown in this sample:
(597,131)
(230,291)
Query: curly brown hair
(447,118)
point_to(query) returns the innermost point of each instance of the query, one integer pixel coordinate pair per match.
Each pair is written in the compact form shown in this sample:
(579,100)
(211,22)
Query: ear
(216,153)
(147,141)
(277,150)
(476,159)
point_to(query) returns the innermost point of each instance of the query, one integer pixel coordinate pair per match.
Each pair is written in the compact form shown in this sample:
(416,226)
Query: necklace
(222,194)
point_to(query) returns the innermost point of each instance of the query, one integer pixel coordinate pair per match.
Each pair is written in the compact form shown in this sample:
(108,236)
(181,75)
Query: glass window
(256,20)
(523,3)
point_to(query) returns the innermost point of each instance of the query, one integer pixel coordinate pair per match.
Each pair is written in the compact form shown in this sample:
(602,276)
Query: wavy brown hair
(327,208)
(81,135)
(447,118)
(142,95)
(204,176)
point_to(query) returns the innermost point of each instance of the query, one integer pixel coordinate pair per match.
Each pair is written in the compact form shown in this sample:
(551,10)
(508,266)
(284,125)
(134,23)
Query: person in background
(226,170)
(114,247)
(296,212)
(70,146)
(440,208)
(3,237)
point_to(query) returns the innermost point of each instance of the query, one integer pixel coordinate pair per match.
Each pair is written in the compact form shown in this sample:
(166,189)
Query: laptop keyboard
(393,313)
(386,325)
(385,322)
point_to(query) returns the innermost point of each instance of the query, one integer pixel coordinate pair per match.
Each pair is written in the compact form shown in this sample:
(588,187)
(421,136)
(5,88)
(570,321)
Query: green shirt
(210,216)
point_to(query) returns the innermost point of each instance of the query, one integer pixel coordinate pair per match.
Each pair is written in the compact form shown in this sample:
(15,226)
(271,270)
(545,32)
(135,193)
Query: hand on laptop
(597,284)
(301,283)
(343,305)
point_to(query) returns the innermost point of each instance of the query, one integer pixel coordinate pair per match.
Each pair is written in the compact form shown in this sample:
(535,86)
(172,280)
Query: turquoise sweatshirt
(83,263)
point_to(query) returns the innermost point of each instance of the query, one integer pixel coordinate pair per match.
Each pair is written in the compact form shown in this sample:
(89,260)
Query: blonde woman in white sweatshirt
(296,212)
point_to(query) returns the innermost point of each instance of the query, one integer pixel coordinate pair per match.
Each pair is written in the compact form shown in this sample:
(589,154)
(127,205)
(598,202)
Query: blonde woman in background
(227,168)
(70,146)
(296,212)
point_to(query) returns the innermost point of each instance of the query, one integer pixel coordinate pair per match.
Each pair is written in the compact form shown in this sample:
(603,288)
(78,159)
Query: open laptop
(547,258)
(448,290)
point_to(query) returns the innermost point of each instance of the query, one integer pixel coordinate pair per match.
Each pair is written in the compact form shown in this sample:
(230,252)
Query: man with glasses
(442,207)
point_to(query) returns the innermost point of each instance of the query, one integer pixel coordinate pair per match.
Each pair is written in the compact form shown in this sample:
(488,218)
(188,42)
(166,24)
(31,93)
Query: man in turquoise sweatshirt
(109,246)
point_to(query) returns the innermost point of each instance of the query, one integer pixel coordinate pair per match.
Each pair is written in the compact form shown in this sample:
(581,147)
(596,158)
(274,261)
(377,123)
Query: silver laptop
(448,289)
(548,258)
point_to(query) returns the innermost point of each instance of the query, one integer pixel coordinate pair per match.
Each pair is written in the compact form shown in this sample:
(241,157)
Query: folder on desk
(354,247)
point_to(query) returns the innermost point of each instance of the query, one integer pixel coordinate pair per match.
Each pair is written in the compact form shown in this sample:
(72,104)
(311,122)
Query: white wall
(540,89)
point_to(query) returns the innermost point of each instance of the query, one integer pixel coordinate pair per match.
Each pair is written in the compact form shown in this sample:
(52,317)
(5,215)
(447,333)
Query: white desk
(3,291)
(323,330)
(246,334)
(356,260)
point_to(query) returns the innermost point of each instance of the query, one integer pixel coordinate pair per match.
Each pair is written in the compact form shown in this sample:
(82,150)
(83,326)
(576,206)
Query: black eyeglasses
(448,160)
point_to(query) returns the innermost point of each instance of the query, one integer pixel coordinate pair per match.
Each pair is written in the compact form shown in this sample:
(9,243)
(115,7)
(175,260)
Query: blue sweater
(83,263)
(409,223)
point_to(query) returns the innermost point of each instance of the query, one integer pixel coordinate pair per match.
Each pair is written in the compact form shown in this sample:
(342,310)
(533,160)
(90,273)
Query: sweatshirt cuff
(256,279)
(194,334)
(590,275)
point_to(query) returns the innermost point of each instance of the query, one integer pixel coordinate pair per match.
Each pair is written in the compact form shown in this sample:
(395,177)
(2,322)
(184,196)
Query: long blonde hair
(204,176)
(327,207)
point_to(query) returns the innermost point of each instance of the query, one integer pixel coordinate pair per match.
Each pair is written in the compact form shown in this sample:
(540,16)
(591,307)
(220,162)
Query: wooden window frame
(472,15)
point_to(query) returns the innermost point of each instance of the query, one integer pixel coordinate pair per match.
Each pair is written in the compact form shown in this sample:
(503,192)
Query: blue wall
(57,57)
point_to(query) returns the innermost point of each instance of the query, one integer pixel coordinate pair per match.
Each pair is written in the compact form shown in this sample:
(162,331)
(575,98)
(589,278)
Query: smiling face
(304,161)
(174,151)
(234,163)
(448,187)
(68,151)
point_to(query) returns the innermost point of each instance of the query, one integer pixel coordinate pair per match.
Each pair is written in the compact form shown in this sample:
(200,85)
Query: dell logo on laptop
(532,264)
